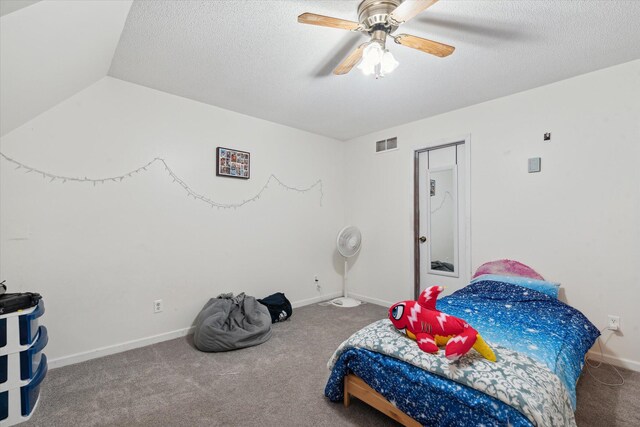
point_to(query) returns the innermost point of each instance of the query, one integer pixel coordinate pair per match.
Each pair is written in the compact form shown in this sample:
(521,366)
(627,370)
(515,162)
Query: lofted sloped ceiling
(8,6)
(253,57)
(50,50)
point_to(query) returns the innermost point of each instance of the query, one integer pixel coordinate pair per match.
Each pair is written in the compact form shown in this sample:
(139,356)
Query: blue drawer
(30,359)
(4,368)
(17,369)
(29,324)
(16,405)
(31,391)
(4,405)
(19,329)
(3,332)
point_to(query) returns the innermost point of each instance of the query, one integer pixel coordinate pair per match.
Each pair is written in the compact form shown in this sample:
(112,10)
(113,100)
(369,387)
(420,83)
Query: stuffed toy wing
(422,322)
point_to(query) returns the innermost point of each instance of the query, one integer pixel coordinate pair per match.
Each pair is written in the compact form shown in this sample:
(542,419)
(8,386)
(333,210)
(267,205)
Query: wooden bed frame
(356,387)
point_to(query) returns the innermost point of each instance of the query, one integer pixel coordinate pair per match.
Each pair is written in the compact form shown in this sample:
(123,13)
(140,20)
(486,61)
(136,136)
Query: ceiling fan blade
(408,9)
(424,45)
(350,61)
(327,21)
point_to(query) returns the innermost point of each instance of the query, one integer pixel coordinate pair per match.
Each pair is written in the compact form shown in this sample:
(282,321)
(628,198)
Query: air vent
(386,144)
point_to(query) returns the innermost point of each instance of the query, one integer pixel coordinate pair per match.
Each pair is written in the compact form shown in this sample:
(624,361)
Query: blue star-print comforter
(522,319)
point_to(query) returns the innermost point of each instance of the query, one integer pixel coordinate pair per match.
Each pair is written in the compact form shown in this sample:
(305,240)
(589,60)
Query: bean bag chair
(229,323)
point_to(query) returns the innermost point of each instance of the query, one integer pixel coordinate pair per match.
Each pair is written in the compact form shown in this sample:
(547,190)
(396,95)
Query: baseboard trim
(370,300)
(321,298)
(143,342)
(117,348)
(620,362)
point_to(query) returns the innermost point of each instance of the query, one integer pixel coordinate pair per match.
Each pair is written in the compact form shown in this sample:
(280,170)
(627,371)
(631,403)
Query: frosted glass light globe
(373,53)
(388,63)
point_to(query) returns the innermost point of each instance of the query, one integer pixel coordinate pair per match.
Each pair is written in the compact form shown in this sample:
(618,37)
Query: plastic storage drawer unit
(18,330)
(17,369)
(17,404)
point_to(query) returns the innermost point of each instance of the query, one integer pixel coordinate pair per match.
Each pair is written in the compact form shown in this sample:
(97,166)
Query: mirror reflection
(443,220)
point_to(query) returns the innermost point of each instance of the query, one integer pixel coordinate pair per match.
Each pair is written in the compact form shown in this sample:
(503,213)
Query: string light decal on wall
(190,192)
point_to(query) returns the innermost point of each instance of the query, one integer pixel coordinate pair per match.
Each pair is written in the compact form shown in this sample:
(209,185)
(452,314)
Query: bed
(539,342)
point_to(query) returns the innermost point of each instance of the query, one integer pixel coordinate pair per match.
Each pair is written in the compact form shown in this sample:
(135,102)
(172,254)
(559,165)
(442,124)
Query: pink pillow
(507,267)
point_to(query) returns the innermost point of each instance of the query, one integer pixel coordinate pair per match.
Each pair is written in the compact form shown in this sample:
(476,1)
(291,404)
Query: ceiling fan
(379,19)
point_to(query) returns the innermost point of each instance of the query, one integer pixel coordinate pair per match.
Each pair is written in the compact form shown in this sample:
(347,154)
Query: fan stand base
(345,302)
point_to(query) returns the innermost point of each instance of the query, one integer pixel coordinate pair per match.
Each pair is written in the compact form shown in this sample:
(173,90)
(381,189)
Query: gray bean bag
(228,323)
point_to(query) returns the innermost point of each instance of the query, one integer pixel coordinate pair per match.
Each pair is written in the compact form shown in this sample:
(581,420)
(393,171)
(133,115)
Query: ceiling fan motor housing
(374,15)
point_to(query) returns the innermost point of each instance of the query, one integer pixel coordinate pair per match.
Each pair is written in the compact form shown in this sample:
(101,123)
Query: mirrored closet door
(441,227)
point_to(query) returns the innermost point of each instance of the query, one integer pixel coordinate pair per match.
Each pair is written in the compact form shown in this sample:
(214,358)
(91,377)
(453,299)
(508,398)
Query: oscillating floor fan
(349,241)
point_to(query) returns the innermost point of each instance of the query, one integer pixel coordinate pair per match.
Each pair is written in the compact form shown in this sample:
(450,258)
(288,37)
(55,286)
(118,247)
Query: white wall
(100,255)
(576,222)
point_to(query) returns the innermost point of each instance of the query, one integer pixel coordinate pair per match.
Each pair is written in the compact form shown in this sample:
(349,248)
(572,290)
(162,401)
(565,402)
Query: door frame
(449,142)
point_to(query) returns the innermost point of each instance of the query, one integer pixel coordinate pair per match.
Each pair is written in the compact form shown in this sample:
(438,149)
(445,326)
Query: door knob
(423,239)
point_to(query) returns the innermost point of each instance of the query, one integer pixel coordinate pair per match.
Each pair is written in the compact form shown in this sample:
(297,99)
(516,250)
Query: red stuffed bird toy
(420,321)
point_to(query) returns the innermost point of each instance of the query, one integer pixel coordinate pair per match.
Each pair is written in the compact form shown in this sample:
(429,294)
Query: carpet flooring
(279,383)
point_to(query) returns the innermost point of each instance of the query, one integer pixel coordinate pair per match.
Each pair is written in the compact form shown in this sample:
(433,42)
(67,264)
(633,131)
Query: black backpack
(10,303)
(279,307)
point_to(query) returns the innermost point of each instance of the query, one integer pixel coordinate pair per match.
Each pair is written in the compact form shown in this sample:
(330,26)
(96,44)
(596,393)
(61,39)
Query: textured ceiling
(254,58)
(51,50)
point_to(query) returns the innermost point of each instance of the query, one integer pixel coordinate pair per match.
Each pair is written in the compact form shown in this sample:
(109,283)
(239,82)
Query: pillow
(507,267)
(548,288)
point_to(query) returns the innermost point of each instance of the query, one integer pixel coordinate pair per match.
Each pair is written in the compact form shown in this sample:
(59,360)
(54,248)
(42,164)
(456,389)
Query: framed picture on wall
(233,163)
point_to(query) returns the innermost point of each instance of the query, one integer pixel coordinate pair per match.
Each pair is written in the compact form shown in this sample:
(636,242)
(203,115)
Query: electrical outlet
(157,306)
(614,323)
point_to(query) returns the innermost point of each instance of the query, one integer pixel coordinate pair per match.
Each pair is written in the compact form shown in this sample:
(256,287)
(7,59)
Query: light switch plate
(534,164)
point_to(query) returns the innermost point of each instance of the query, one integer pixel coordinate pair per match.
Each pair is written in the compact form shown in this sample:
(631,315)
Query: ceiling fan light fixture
(367,69)
(372,54)
(379,19)
(388,63)
(377,60)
